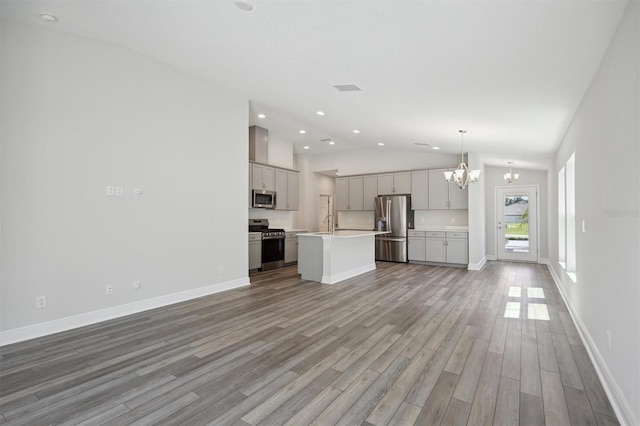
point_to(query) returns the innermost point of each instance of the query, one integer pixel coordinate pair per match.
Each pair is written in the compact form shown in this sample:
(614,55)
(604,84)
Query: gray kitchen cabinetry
(394,183)
(370,189)
(443,195)
(457,247)
(286,189)
(416,246)
(263,177)
(420,190)
(435,247)
(291,246)
(439,247)
(349,193)
(255,250)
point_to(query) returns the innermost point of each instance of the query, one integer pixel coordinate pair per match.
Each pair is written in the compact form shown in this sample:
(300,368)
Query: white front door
(517,231)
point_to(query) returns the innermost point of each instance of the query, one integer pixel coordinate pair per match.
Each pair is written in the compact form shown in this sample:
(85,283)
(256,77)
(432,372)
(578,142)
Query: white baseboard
(616,397)
(477,266)
(88,318)
(492,257)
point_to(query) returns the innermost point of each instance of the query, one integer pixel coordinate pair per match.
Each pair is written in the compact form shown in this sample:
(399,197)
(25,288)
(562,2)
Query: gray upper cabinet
(370,184)
(286,190)
(444,195)
(394,183)
(420,190)
(263,177)
(349,193)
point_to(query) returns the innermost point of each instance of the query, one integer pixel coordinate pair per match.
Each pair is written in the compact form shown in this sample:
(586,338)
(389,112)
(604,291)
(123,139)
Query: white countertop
(296,230)
(343,233)
(442,228)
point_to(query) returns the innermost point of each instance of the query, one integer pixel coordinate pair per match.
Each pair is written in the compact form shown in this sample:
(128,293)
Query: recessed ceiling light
(262,116)
(48,17)
(306,147)
(436,147)
(332,143)
(302,132)
(337,174)
(244,5)
(320,112)
(356,131)
(380,144)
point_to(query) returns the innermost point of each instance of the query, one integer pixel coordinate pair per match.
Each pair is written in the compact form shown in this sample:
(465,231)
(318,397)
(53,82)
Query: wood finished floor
(404,344)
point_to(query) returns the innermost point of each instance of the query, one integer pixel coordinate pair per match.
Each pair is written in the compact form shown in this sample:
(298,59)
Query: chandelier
(461,176)
(511,177)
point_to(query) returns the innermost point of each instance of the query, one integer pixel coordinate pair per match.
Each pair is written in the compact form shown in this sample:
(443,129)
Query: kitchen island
(331,257)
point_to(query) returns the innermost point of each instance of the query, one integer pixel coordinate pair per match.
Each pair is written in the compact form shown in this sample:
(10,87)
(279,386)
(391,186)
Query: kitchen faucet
(330,223)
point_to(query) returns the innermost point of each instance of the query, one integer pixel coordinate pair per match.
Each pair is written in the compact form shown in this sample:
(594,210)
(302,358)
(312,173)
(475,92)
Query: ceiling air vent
(347,88)
(325,140)
(421,143)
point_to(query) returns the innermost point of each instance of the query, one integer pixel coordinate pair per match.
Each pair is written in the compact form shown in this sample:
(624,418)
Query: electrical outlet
(41,302)
(609,339)
(119,191)
(108,289)
(136,284)
(111,190)
(137,192)
(220,269)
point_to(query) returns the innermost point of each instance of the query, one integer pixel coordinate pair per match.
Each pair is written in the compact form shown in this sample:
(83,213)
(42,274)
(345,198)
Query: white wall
(494,177)
(81,114)
(477,214)
(605,136)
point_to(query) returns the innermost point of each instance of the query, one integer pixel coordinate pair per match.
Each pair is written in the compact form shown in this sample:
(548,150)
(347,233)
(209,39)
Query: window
(567,217)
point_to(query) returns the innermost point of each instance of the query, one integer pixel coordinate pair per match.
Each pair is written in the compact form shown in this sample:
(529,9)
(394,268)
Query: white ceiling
(510,72)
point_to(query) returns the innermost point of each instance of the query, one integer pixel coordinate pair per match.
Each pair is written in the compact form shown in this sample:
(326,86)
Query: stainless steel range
(272,243)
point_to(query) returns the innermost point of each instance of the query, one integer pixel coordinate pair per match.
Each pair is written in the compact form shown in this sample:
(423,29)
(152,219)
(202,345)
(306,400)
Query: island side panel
(346,257)
(310,259)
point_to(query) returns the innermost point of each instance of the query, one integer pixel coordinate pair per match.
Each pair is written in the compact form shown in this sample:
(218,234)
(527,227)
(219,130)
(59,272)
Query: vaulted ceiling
(511,73)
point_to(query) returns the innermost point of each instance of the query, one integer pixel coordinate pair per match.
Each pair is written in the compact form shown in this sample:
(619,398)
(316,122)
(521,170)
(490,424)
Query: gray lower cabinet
(255,250)
(439,247)
(291,246)
(416,246)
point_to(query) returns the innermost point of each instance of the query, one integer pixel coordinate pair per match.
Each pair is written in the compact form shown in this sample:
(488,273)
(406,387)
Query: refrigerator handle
(389,220)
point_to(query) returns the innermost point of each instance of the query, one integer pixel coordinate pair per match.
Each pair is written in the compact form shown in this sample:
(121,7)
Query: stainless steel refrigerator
(393,213)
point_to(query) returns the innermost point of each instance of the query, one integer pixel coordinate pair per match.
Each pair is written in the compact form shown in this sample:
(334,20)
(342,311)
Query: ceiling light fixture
(320,112)
(244,5)
(306,147)
(511,177)
(262,116)
(356,131)
(302,132)
(48,17)
(435,147)
(332,143)
(461,176)
(380,144)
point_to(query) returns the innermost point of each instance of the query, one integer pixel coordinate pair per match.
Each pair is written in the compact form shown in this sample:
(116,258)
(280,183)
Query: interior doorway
(516,223)
(325,208)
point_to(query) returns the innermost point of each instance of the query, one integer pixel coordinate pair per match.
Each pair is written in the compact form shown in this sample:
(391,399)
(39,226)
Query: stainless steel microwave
(263,199)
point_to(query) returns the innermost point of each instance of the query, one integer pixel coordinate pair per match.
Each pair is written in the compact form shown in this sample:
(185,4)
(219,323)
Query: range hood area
(258,144)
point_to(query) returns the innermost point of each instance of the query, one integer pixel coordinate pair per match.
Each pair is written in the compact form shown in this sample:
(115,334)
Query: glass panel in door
(516,223)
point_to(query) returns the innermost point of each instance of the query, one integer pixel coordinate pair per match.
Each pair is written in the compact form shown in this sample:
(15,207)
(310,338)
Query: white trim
(619,403)
(477,266)
(492,257)
(336,278)
(63,324)
(544,261)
